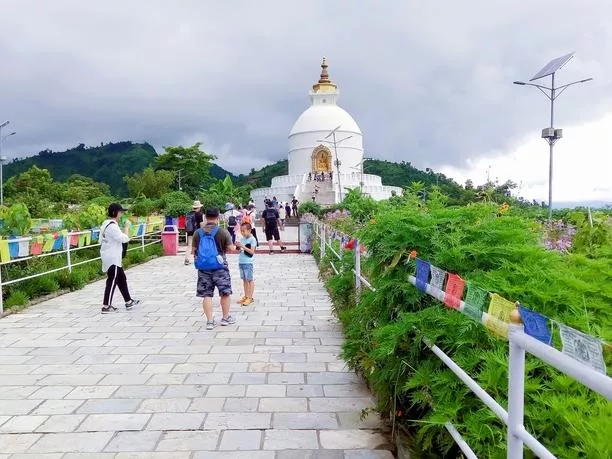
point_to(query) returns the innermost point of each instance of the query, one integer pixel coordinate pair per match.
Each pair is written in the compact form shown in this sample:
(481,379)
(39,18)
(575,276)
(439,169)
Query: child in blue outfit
(247,245)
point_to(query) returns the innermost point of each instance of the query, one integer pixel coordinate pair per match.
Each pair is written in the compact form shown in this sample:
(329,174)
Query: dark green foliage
(16,300)
(263,177)
(143,207)
(310,207)
(503,254)
(176,203)
(107,163)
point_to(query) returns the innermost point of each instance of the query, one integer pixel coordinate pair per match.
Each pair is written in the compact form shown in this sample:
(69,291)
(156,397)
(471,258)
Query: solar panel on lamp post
(550,133)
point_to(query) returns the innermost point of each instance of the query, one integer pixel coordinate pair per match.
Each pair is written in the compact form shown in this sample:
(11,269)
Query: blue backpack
(207,257)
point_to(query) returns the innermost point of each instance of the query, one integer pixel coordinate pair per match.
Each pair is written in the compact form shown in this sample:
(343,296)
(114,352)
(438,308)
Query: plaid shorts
(208,280)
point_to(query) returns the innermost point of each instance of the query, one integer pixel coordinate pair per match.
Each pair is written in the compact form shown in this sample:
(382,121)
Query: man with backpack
(210,244)
(193,222)
(271,223)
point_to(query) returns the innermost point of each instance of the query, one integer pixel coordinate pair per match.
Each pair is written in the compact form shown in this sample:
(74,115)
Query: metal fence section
(145,239)
(519,344)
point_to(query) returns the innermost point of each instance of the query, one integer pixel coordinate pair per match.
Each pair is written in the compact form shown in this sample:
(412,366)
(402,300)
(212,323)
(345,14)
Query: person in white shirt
(230,217)
(282,212)
(112,240)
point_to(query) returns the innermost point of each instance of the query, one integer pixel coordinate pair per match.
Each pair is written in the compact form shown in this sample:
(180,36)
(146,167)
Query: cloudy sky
(428,82)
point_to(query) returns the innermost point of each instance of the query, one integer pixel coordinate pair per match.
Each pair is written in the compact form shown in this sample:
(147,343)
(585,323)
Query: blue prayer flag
(422,274)
(58,244)
(536,325)
(13,247)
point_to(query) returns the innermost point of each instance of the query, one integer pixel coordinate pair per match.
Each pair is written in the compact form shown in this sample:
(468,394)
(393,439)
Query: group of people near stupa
(211,234)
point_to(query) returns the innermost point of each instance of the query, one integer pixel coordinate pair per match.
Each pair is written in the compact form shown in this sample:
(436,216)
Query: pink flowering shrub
(558,236)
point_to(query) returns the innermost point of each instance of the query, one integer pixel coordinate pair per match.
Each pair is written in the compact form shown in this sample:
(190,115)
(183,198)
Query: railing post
(142,236)
(67,242)
(1,298)
(322,242)
(516,387)
(357,269)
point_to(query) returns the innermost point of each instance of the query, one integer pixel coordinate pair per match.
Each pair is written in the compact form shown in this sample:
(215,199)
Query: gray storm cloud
(428,83)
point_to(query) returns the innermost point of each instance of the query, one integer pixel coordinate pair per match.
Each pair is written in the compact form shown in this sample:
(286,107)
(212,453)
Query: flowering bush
(308,218)
(558,236)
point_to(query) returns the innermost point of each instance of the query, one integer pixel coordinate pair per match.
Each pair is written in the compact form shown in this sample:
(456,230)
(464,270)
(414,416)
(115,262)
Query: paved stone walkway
(153,383)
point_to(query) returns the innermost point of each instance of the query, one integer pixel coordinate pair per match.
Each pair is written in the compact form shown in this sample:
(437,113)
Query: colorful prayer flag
(422,274)
(582,347)
(140,229)
(13,247)
(499,311)
(81,240)
(58,242)
(438,276)
(454,291)
(475,301)
(88,238)
(5,253)
(49,243)
(24,248)
(536,325)
(95,235)
(74,240)
(36,247)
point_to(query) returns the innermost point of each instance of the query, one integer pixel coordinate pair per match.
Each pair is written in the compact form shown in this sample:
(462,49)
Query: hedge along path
(153,379)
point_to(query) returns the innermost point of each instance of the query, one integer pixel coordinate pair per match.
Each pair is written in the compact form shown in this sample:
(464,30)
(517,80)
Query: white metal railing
(519,344)
(146,239)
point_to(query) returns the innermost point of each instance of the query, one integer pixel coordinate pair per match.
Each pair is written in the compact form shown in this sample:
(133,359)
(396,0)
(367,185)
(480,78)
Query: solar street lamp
(550,134)
(2,159)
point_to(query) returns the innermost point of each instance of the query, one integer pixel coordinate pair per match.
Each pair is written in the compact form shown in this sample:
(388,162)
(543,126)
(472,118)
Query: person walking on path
(193,222)
(249,217)
(231,219)
(288,209)
(112,242)
(282,213)
(271,222)
(209,247)
(294,207)
(247,245)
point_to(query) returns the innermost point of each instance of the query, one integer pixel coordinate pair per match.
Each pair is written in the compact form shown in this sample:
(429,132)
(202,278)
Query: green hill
(107,163)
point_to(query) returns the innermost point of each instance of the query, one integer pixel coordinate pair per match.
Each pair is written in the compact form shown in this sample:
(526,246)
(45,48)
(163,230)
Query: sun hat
(196,205)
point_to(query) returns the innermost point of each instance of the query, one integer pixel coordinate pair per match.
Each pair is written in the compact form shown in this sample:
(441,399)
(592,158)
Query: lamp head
(520,83)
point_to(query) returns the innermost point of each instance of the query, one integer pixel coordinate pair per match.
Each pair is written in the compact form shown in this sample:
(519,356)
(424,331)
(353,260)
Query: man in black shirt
(271,222)
(193,222)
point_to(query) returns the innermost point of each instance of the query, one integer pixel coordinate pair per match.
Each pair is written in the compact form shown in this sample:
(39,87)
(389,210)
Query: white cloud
(582,165)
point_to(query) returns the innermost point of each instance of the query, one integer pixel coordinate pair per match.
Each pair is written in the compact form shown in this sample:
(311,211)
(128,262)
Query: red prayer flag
(74,240)
(36,248)
(454,291)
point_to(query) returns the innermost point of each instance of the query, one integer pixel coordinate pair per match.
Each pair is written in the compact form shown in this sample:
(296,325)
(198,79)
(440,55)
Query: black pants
(231,230)
(116,278)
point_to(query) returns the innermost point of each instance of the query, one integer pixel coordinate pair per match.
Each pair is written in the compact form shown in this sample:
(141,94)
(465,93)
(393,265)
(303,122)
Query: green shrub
(176,203)
(75,280)
(40,286)
(386,330)
(16,300)
(142,207)
(310,207)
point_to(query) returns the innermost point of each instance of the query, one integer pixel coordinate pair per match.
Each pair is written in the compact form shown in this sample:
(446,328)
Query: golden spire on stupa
(324,84)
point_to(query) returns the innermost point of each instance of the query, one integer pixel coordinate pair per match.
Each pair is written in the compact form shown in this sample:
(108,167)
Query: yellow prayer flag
(5,253)
(88,238)
(499,315)
(49,241)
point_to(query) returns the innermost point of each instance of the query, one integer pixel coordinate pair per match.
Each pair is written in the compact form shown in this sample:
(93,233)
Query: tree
(79,189)
(150,183)
(194,166)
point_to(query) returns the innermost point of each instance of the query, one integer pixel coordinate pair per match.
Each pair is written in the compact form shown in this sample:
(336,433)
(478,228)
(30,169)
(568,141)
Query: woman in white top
(111,253)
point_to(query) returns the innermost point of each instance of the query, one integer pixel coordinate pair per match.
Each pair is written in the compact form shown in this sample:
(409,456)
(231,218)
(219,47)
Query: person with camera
(113,247)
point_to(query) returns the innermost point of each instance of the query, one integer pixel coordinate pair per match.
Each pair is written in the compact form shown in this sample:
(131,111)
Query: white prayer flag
(582,347)
(438,276)
(24,249)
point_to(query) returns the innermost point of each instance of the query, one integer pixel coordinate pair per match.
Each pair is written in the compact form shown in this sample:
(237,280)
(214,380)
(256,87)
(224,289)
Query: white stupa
(325,154)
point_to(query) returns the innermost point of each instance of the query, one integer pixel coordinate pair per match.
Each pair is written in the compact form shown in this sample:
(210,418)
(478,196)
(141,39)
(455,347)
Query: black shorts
(208,280)
(272,233)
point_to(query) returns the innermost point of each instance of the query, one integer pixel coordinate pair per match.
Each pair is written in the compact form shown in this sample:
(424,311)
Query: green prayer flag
(475,301)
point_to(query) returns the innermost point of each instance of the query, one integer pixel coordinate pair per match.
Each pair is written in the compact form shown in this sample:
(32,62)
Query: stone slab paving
(153,383)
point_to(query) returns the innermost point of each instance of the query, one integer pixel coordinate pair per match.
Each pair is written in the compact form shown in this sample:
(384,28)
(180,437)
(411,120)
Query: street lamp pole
(550,134)
(2,159)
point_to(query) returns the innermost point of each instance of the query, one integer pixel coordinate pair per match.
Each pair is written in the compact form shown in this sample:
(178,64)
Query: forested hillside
(108,163)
